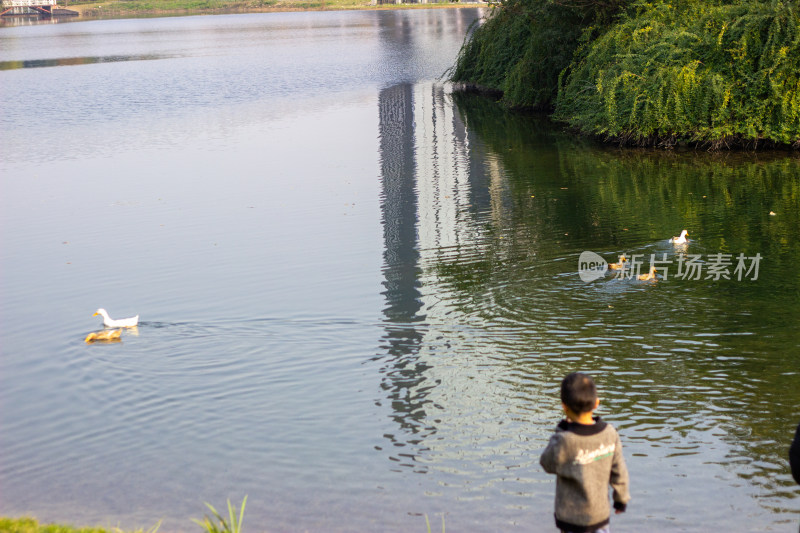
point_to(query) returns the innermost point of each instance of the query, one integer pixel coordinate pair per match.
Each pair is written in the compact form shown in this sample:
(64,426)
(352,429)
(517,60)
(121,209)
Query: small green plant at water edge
(428,523)
(232,526)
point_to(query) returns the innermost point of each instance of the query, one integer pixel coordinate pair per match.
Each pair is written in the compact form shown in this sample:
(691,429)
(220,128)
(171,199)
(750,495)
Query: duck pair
(111,335)
(621,264)
(681,239)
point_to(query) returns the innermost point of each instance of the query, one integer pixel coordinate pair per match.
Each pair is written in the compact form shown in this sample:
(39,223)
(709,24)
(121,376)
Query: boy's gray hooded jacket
(586,459)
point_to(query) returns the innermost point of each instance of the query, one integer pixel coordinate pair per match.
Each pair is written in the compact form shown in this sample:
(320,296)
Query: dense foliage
(521,49)
(655,72)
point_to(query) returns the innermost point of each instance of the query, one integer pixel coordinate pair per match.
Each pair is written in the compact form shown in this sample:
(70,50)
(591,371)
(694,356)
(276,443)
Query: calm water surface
(359,291)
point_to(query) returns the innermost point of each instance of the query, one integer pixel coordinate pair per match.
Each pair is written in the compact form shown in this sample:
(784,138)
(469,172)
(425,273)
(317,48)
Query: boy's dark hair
(578,392)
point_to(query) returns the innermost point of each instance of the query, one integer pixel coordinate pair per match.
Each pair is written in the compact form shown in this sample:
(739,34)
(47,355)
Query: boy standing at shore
(585,454)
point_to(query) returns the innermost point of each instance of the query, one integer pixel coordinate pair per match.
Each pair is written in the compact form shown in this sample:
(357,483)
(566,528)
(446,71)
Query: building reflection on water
(425,191)
(403,372)
(430,185)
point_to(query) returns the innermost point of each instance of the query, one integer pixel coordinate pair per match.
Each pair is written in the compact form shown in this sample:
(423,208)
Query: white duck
(680,240)
(121,323)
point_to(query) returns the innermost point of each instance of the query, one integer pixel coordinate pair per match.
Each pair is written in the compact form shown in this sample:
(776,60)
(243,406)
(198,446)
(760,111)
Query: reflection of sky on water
(359,291)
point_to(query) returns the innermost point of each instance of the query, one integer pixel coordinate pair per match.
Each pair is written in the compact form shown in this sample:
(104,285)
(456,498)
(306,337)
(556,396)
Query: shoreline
(95,11)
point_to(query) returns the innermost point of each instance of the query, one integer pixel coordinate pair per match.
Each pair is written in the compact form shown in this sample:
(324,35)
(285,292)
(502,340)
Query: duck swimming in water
(680,240)
(106,335)
(649,276)
(121,323)
(620,265)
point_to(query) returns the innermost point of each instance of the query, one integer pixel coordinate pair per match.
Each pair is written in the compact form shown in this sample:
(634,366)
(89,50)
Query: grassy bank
(711,73)
(30,525)
(123,8)
(211,523)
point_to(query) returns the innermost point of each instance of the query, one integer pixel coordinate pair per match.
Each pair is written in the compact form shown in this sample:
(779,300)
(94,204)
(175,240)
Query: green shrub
(690,71)
(647,73)
(524,44)
(494,48)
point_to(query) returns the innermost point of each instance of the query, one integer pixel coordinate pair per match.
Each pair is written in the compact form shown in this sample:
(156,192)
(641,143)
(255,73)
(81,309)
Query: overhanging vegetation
(647,73)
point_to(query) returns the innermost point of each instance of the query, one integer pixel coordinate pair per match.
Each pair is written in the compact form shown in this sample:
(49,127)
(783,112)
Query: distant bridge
(45,8)
(28,3)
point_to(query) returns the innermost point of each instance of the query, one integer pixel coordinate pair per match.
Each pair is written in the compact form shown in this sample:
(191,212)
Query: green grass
(211,524)
(30,525)
(217,524)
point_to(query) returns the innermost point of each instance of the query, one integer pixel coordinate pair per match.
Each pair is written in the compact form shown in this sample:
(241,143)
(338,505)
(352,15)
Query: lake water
(359,291)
